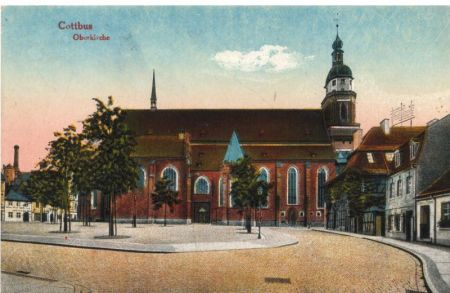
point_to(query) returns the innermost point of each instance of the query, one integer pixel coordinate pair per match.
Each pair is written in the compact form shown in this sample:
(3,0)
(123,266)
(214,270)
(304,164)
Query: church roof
(215,125)
(338,70)
(149,146)
(234,150)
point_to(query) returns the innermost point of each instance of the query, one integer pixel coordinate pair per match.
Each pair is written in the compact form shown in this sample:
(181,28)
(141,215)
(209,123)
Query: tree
(116,172)
(45,187)
(165,195)
(62,159)
(248,191)
(83,178)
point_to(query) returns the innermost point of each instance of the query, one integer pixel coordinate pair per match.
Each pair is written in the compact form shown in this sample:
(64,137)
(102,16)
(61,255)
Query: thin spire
(153,97)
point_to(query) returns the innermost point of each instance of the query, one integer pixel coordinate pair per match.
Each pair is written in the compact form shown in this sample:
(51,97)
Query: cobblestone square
(320,262)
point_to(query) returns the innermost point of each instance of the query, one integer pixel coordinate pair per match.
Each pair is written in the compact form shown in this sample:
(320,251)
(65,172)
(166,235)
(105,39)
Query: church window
(321,179)
(171,174)
(94,195)
(333,83)
(142,178)
(264,176)
(292,185)
(221,193)
(343,112)
(342,81)
(201,185)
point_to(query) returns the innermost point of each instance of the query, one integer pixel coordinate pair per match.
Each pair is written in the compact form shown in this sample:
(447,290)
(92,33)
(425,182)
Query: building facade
(433,162)
(294,149)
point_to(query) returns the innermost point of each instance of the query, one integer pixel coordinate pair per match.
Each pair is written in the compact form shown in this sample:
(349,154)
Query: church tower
(339,104)
(153,96)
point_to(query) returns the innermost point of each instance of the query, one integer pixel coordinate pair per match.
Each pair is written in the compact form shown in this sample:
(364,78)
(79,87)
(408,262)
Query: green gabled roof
(14,195)
(234,150)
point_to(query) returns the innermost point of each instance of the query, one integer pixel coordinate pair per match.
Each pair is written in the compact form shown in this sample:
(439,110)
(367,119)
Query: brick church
(297,150)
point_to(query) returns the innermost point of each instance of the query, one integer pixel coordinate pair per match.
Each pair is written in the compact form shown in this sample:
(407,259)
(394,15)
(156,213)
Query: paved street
(320,262)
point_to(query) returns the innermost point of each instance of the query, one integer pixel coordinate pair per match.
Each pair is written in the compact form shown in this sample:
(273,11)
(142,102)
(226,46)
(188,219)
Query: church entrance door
(201,212)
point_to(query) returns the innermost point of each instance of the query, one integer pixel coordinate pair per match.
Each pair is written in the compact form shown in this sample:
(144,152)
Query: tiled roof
(360,161)
(210,157)
(441,185)
(14,195)
(375,139)
(405,158)
(217,125)
(150,146)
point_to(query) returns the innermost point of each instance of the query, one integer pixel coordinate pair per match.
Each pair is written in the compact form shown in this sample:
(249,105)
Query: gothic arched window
(292,185)
(264,176)
(321,179)
(171,174)
(344,112)
(201,185)
(221,193)
(142,182)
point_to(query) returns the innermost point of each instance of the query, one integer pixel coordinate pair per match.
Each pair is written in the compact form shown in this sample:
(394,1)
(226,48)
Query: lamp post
(259,210)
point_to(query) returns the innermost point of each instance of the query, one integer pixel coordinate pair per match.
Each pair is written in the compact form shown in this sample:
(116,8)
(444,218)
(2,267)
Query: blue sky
(216,57)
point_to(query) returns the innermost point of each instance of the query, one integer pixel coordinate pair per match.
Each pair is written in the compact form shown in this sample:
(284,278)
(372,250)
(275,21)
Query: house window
(408,184)
(413,147)
(201,185)
(445,215)
(397,222)
(10,214)
(391,189)
(221,193)
(264,176)
(18,215)
(321,179)
(10,203)
(292,186)
(390,220)
(399,187)
(370,158)
(25,204)
(171,174)
(397,159)
(37,204)
(17,203)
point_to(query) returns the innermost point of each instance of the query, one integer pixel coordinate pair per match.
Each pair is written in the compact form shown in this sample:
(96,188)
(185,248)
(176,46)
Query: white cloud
(268,57)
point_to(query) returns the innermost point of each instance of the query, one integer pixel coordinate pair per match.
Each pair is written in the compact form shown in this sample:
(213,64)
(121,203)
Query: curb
(154,248)
(426,263)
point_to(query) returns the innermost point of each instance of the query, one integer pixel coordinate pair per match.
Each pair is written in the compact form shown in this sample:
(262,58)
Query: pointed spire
(153,97)
(234,150)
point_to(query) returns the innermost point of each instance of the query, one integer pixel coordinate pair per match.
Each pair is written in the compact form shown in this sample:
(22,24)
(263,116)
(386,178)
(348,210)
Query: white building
(401,189)
(433,211)
(17,207)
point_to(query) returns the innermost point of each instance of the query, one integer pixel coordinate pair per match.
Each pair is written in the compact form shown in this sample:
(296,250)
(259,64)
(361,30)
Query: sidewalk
(435,259)
(270,239)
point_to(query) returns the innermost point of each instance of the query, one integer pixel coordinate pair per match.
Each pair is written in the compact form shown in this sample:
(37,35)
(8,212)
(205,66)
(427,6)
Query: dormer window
(413,148)
(370,158)
(397,159)
(389,157)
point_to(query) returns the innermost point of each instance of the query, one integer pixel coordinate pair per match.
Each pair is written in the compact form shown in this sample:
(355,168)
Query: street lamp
(260,192)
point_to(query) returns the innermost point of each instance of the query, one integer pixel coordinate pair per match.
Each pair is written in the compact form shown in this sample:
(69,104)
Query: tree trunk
(248,220)
(115,215)
(165,208)
(111,224)
(89,210)
(65,220)
(60,221)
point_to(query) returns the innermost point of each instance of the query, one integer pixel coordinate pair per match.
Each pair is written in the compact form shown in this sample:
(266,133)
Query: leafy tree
(358,188)
(83,178)
(62,159)
(45,187)
(116,172)
(164,195)
(248,191)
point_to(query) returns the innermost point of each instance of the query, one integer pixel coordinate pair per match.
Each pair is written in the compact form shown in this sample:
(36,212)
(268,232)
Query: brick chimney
(16,158)
(384,125)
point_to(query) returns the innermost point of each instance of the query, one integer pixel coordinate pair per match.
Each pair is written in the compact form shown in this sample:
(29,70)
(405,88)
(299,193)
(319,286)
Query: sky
(213,57)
